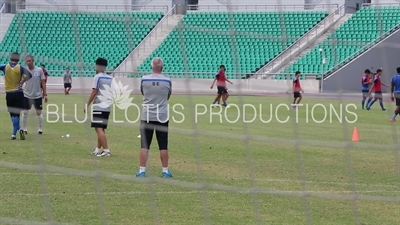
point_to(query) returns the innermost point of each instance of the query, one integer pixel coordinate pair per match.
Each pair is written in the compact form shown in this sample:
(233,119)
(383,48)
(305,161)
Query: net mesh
(224,173)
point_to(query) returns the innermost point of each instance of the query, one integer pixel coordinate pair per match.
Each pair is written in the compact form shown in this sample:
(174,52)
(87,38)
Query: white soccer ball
(67,136)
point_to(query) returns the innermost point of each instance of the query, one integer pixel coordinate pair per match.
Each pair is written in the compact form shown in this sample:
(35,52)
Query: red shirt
(365,78)
(296,84)
(377,84)
(221,79)
(45,75)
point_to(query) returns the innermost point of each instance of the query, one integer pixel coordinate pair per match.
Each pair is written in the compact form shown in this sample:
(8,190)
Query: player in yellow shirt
(14,77)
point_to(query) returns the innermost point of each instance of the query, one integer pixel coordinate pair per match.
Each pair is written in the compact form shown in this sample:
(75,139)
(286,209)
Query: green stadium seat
(60,39)
(364,27)
(207,40)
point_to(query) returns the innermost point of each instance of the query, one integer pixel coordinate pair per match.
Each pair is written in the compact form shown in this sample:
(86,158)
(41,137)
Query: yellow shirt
(12,76)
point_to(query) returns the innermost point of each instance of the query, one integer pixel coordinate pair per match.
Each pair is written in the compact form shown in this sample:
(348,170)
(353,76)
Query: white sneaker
(104,153)
(96,152)
(40,131)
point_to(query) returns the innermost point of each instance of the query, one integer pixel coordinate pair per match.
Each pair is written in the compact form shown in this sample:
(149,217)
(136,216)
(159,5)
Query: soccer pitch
(224,173)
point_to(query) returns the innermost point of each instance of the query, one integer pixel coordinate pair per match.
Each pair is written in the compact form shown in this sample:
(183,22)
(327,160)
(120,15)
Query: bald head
(157,65)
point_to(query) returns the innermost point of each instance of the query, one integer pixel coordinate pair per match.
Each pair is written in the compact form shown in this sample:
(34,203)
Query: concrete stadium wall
(271,2)
(385,54)
(249,86)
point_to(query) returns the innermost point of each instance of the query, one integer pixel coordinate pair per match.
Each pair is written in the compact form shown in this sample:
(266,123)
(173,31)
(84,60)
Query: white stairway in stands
(5,21)
(316,42)
(149,44)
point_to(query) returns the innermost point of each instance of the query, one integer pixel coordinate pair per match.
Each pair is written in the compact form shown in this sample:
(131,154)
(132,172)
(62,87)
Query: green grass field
(223,173)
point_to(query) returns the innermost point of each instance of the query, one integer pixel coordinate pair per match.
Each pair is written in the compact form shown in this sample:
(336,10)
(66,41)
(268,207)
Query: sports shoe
(25,132)
(383,109)
(40,131)
(166,175)
(21,135)
(95,152)
(13,137)
(141,174)
(104,153)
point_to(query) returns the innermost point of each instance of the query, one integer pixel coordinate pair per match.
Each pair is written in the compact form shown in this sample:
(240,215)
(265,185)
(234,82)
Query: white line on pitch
(244,179)
(183,193)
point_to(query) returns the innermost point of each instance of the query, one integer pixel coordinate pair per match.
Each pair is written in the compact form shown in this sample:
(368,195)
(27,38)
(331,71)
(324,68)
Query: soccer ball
(67,136)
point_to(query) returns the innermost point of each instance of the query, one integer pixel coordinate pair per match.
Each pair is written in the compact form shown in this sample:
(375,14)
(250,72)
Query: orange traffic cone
(355,137)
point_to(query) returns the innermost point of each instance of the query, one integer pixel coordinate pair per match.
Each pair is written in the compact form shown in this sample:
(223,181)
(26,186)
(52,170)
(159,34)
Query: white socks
(106,150)
(24,121)
(143,169)
(40,121)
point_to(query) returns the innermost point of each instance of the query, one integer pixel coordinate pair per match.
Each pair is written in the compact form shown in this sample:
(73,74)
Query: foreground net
(225,173)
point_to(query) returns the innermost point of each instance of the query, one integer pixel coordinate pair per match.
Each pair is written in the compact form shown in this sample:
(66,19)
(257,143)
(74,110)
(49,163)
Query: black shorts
(378,94)
(296,95)
(397,97)
(100,119)
(67,85)
(147,130)
(222,90)
(365,93)
(397,101)
(15,102)
(37,103)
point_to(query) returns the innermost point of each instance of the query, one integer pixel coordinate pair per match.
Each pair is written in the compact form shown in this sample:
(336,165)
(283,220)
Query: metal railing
(139,74)
(365,48)
(3,7)
(3,29)
(263,8)
(380,4)
(306,40)
(148,37)
(101,8)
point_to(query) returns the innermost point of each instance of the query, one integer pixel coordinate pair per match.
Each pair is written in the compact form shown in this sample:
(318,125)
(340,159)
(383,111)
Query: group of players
(20,100)
(372,83)
(156,90)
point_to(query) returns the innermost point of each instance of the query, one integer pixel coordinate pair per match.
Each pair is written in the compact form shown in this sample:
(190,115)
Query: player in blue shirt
(395,93)
(365,83)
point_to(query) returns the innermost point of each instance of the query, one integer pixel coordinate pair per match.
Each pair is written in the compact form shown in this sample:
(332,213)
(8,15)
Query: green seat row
(347,42)
(61,39)
(242,41)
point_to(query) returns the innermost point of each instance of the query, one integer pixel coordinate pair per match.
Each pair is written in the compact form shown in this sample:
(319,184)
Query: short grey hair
(157,62)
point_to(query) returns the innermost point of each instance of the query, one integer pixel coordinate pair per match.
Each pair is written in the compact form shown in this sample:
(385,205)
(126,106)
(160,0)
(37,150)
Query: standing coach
(156,90)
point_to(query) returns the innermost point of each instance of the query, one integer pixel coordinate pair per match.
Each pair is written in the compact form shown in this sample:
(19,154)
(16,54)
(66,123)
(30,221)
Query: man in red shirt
(45,72)
(296,90)
(221,80)
(377,89)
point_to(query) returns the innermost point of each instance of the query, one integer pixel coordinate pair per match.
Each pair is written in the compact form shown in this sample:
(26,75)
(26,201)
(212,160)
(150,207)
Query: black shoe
(21,135)
(25,132)
(40,132)
(13,138)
